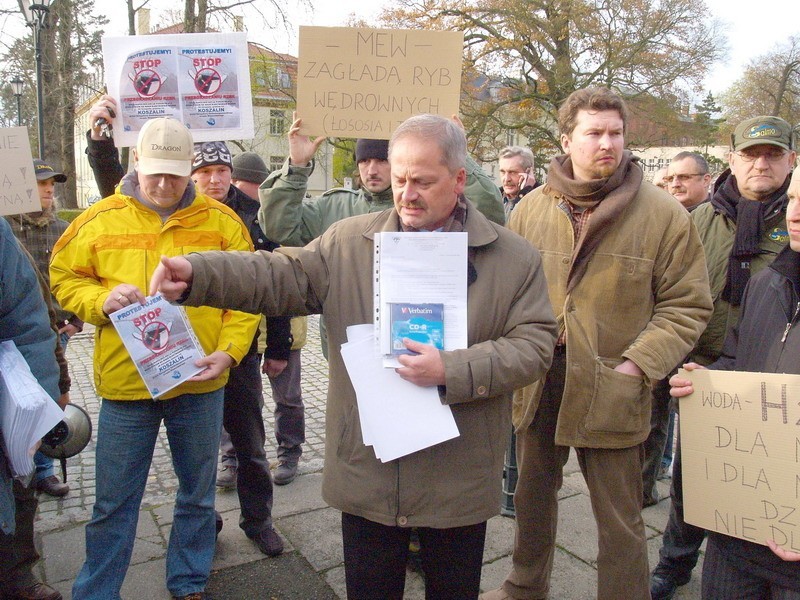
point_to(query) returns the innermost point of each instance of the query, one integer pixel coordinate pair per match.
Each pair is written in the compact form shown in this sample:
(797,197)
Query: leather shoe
(664,584)
(269,542)
(38,591)
(285,472)
(51,485)
(193,596)
(226,478)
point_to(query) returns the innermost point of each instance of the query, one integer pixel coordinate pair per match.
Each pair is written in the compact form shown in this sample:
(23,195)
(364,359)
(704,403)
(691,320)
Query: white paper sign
(200,79)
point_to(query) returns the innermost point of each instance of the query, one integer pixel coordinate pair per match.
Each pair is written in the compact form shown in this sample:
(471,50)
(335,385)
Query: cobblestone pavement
(312,564)
(161,484)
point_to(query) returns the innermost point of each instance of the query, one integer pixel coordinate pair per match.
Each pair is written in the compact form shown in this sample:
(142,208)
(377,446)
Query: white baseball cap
(164,146)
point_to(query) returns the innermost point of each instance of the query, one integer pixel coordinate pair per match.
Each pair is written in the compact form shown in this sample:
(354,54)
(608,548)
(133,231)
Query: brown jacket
(644,297)
(511,336)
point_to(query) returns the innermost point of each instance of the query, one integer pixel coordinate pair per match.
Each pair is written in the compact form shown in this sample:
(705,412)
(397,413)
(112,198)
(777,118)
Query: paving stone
(310,529)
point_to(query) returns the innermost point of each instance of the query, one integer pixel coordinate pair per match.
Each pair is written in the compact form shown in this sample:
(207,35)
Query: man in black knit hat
(742,228)
(212,169)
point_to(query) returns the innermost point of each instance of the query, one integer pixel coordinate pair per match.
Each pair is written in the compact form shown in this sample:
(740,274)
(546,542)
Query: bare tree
(524,57)
(770,85)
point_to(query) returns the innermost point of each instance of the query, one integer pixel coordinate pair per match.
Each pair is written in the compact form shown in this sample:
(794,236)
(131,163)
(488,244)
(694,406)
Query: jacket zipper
(789,324)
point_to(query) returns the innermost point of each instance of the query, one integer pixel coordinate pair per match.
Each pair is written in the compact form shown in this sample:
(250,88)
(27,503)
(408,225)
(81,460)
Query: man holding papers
(101,265)
(23,319)
(449,490)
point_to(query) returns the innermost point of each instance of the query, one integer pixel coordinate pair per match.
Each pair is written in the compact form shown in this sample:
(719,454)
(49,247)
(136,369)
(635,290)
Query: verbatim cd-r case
(421,322)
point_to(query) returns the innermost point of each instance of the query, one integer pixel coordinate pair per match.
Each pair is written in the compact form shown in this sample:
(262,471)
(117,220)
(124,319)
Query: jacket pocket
(619,400)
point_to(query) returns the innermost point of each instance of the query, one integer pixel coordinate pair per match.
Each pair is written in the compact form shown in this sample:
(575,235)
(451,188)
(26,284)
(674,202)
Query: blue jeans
(126,437)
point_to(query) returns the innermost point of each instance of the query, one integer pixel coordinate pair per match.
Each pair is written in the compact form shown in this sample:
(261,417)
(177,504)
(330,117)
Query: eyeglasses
(771,156)
(683,178)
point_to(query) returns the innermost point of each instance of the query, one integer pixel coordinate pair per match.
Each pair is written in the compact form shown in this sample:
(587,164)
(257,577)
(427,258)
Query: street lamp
(16,88)
(35,16)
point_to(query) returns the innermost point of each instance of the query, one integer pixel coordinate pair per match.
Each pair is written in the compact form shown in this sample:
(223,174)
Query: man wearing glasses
(688,179)
(742,229)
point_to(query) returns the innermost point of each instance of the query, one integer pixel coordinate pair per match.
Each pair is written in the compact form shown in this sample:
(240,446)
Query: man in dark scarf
(627,282)
(743,228)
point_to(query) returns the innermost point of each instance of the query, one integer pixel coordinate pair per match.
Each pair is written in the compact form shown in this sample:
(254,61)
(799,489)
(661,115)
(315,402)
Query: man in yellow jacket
(100,265)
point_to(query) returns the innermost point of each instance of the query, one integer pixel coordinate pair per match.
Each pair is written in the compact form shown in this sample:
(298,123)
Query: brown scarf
(609,198)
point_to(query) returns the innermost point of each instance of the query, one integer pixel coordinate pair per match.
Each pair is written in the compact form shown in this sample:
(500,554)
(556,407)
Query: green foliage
(715,165)
(707,125)
(344,162)
(68,214)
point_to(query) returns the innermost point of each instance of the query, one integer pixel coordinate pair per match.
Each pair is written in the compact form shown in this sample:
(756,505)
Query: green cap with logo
(762,130)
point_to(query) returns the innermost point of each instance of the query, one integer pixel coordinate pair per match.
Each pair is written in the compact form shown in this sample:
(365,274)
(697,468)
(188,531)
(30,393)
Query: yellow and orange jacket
(119,240)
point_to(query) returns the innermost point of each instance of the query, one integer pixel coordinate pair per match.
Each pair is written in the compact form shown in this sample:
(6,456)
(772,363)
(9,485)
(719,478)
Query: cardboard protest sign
(740,445)
(362,83)
(18,190)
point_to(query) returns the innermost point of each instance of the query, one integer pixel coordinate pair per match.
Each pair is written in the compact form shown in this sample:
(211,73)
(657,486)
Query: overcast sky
(755,26)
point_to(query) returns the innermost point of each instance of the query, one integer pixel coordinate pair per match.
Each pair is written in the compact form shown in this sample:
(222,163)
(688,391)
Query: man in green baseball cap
(772,131)
(749,205)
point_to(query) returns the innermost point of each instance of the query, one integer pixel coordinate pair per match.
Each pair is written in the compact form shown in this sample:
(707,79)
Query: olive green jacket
(644,297)
(717,232)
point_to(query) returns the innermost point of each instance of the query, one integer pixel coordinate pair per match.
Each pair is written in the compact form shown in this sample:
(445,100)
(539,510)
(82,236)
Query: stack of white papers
(28,412)
(397,417)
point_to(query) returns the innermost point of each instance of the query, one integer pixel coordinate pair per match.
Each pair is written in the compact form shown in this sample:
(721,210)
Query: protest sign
(362,83)
(18,190)
(740,446)
(200,79)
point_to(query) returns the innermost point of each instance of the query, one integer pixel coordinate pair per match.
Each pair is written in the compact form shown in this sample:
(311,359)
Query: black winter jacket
(766,340)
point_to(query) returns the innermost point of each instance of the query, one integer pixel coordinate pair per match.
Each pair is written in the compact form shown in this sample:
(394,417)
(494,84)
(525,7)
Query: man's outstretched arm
(172,277)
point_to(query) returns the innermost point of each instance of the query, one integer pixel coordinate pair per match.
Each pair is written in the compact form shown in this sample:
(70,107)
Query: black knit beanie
(366,149)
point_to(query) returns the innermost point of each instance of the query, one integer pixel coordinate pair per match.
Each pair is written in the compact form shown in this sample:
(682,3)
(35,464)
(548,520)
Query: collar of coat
(480,231)
(787,263)
(378,197)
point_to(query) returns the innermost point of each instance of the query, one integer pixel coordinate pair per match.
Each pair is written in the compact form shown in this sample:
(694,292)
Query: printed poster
(201,79)
(161,342)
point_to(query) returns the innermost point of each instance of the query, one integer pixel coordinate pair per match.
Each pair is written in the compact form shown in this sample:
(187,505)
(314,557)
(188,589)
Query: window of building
(277,122)
(275,163)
